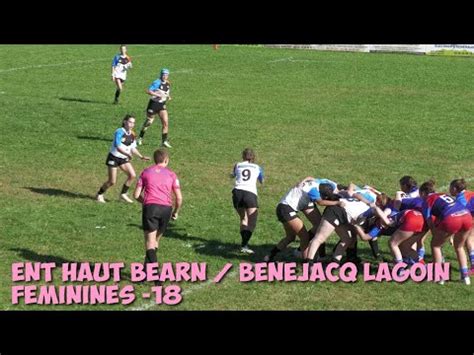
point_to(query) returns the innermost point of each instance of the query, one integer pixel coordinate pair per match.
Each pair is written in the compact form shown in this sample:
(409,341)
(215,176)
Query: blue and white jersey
(161,86)
(246,175)
(125,140)
(120,64)
(367,192)
(305,194)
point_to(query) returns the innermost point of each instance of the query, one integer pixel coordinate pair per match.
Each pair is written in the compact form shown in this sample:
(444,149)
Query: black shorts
(114,161)
(156,217)
(154,107)
(336,215)
(244,199)
(285,213)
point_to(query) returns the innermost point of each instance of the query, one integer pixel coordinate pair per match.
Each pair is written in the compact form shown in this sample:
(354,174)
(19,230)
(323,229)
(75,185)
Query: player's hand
(174,216)
(145,158)
(341,203)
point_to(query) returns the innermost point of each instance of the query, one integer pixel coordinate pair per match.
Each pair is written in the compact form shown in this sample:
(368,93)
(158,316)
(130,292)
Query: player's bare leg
(109,183)
(148,122)
(131,175)
(119,85)
(164,128)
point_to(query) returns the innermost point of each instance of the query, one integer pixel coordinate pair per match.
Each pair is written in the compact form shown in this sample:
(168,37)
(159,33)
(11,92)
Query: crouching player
(457,188)
(452,218)
(406,228)
(341,218)
(302,198)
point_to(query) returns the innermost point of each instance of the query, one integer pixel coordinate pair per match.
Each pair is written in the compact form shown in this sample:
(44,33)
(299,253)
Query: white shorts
(122,75)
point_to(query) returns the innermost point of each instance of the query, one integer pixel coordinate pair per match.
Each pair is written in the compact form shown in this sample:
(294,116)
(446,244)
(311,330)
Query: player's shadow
(91,138)
(58,192)
(33,256)
(84,101)
(215,247)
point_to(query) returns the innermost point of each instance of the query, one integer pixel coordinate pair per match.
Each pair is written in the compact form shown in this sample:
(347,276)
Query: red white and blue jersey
(441,205)
(411,203)
(466,198)
(411,200)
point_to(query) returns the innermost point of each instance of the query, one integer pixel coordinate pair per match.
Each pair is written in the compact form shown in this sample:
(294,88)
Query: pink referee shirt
(157,183)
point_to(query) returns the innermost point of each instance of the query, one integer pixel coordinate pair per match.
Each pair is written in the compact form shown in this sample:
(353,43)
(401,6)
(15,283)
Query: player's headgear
(164,71)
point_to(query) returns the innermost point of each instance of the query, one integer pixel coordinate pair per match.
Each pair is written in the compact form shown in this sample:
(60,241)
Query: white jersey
(354,209)
(120,65)
(302,196)
(246,175)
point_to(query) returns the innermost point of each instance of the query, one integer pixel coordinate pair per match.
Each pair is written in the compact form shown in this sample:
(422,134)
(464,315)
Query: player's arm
(137,194)
(142,157)
(124,152)
(397,203)
(362,235)
(233,174)
(383,215)
(261,176)
(153,88)
(114,64)
(178,203)
(119,145)
(322,202)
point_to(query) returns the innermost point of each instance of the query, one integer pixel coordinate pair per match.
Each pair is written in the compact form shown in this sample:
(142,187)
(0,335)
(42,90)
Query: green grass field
(367,118)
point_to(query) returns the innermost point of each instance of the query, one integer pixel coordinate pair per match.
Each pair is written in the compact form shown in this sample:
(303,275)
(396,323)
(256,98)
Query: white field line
(292,60)
(88,61)
(189,290)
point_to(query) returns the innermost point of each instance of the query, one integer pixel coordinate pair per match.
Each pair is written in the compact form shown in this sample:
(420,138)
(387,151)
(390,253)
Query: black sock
(101,191)
(151,256)
(117,94)
(125,189)
(322,250)
(374,246)
(352,252)
(164,137)
(246,235)
(274,252)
